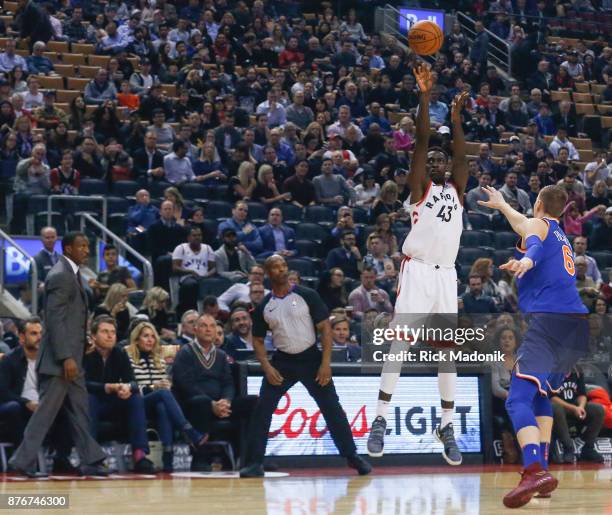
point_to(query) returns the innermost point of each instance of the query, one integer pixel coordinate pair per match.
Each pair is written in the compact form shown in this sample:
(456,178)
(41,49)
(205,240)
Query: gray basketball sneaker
(450,452)
(376,440)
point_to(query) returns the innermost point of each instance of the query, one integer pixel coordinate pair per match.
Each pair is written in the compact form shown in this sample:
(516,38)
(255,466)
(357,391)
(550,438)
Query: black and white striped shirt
(146,373)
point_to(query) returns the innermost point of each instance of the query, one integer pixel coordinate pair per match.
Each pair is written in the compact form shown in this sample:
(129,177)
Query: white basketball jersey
(436,226)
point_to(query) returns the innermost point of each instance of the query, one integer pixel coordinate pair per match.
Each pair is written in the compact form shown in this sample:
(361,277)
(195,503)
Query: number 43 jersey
(437,222)
(550,286)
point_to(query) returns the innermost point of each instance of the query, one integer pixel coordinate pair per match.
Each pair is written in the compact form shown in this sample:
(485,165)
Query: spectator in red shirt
(291,54)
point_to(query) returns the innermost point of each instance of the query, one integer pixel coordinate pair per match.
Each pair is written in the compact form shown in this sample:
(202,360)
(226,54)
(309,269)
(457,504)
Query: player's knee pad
(519,403)
(542,407)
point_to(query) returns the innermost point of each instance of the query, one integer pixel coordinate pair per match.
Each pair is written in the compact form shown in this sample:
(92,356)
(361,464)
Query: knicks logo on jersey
(443,204)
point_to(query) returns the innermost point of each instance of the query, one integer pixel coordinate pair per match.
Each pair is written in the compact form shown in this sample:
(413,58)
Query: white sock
(388,379)
(446,387)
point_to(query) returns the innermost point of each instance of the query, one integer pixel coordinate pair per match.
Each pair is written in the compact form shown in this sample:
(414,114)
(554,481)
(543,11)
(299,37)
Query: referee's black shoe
(359,464)
(253,470)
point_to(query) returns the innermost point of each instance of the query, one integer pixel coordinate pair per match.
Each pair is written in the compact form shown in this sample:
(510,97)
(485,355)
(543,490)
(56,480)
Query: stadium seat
(193,190)
(467,255)
(214,286)
(157,188)
(54,82)
(464,272)
(117,223)
(304,266)
(505,239)
(316,214)
(475,239)
(258,211)
(310,231)
(125,188)
(501,256)
(88,72)
(218,209)
(308,248)
(291,212)
(58,46)
(84,48)
(603,258)
(93,187)
(479,221)
(66,95)
(101,61)
(117,205)
(360,215)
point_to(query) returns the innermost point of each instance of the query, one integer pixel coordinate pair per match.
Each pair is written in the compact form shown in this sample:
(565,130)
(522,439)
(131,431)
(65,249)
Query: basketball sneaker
(534,480)
(450,452)
(376,440)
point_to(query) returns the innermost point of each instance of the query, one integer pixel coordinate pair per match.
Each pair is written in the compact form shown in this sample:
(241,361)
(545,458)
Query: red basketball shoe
(534,480)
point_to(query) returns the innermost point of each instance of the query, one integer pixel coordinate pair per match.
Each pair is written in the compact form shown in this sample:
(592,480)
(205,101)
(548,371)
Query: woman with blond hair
(387,202)
(386,235)
(266,190)
(155,306)
(242,186)
(116,305)
(150,373)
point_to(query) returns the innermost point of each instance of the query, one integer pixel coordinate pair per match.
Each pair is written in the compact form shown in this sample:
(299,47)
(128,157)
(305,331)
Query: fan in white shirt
(194,258)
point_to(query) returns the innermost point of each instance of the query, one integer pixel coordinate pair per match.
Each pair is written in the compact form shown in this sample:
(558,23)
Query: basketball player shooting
(428,279)
(557,335)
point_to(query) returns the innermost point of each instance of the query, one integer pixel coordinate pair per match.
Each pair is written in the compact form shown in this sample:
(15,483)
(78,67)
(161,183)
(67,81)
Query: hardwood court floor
(396,490)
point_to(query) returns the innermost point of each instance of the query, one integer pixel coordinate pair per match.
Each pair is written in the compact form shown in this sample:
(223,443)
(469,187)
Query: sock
(544,454)
(531,454)
(138,454)
(388,379)
(446,387)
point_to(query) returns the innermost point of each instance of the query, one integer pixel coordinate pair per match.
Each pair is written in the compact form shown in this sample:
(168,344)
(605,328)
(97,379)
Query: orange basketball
(425,37)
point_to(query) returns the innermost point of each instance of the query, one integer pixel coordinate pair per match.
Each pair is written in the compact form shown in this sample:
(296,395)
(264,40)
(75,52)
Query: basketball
(425,37)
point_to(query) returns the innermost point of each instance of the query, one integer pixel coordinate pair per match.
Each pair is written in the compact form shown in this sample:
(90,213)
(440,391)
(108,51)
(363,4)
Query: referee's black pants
(303,368)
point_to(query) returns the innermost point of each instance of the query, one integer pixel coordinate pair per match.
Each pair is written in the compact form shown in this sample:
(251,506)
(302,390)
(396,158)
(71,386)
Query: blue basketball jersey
(550,286)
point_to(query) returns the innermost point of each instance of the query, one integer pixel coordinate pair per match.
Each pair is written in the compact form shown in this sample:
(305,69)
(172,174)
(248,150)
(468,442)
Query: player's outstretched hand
(458,105)
(496,199)
(422,72)
(518,267)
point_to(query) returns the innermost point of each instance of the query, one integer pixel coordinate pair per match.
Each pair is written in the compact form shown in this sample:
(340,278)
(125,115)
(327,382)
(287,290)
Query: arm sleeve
(6,395)
(496,387)
(260,326)
(318,308)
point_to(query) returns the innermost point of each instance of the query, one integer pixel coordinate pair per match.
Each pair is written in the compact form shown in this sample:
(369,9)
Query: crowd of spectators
(238,129)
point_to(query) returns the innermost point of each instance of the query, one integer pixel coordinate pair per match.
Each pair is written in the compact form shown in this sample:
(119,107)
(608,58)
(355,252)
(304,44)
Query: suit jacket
(269,243)
(13,369)
(65,309)
(220,141)
(141,163)
(43,264)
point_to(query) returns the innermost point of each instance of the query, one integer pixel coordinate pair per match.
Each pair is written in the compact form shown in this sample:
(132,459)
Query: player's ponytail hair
(554,199)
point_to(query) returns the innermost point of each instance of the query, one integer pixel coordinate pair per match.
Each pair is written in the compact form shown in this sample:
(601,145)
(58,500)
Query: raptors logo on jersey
(436,225)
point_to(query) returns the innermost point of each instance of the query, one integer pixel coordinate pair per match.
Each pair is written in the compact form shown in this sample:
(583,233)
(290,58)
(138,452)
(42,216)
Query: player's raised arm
(532,231)
(417,178)
(460,168)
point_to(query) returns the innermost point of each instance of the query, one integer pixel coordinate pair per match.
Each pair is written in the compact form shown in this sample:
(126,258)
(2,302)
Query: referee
(292,313)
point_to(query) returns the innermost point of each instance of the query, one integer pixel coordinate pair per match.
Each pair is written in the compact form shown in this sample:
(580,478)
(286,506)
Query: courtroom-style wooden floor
(395,490)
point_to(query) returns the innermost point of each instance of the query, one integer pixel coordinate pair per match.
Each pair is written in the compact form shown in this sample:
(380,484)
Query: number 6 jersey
(550,286)
(437,222)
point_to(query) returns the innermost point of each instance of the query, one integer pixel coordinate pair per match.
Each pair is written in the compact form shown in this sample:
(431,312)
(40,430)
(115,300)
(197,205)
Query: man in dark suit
(277,237)
(566,117)
(542,79)
(226,137)
(163,237)
(241,336)
(19,394)
(59,364)
(148,161)
(47,256)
